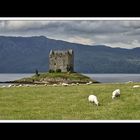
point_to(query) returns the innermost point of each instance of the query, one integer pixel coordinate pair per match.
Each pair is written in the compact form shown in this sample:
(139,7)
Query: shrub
(51,71)
(58,70)
(36,72)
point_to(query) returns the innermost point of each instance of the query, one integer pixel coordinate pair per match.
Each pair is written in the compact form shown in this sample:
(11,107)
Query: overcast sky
(124,34)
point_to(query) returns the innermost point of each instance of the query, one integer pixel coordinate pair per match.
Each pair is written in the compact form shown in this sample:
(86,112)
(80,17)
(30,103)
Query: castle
(61,60)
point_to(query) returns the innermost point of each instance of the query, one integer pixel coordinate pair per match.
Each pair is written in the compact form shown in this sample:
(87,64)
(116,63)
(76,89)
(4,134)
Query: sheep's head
(97,104)
(113,97)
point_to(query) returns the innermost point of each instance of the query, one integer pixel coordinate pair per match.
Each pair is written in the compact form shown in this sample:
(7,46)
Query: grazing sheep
(116,93)
(89,83)
(77,83)
(10,86)
(54,85)
(136,86)
(93,99)
(65,84)
(73,84)
(17,85)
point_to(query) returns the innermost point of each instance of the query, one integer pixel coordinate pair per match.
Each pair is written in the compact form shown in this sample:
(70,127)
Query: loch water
(114,78)
(103,78)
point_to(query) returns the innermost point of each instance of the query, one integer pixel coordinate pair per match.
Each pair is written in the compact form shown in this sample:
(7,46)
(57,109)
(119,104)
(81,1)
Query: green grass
(73,76)
(69,103)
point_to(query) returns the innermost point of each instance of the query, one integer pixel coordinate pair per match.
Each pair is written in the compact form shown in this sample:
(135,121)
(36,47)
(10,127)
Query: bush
(36,72)
(51,71)
(58,70)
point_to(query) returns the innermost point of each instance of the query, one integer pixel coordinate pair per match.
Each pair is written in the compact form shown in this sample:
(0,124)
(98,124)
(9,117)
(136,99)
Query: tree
(36,72)
(51,71)
(58,70)
(69,68)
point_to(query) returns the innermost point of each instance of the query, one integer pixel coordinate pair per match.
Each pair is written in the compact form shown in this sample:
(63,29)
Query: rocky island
(55,78)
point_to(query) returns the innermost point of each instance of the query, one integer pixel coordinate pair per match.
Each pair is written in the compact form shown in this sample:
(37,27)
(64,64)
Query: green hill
(26,54)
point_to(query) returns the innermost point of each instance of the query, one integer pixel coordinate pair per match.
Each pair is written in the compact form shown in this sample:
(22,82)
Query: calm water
(114,78)
(103,78)
(11,77)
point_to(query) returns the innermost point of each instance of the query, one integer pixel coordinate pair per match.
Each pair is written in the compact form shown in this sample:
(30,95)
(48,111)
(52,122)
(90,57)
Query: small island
(56,78)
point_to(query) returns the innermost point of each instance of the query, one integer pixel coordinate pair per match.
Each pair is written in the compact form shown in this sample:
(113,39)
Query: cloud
(121,33)
(81,40)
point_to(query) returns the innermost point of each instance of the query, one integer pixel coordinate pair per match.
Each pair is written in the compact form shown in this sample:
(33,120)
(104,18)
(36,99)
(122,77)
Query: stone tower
(61,60)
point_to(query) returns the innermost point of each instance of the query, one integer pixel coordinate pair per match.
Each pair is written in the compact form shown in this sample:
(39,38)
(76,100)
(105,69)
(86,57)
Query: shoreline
(42,83)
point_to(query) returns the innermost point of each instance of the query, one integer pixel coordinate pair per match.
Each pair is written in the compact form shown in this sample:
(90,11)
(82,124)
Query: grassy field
(69,103)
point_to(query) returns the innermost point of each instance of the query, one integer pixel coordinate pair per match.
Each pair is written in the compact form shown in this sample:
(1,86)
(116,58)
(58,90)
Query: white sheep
(89,83)
(73,84)
(136,86)
(20,85)
(10,86)
(77,83)
(93,99)
(54,85)
(116,93)
(65,84)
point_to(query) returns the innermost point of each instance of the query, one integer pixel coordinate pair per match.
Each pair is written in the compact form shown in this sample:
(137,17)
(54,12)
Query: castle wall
(63,60)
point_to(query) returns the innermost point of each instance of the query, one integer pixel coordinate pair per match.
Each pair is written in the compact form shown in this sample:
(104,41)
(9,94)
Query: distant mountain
(26,54)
